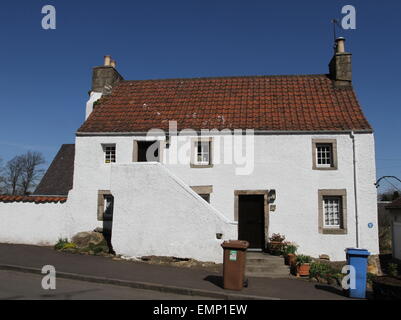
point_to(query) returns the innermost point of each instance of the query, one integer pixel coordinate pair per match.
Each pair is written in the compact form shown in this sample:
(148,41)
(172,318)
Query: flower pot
(292,259)
(289,259)
(303,269)
(286,259)
(275,247)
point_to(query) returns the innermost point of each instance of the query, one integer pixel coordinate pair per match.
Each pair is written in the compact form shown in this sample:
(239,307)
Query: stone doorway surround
(265,193)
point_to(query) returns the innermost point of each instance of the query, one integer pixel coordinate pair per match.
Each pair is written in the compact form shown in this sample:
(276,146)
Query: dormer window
(109,153)
(324,154)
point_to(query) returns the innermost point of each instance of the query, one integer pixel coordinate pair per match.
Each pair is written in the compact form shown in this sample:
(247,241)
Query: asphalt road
(27,286)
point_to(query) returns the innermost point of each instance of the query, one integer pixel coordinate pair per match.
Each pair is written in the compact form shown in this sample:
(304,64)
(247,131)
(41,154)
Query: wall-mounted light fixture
(272,195)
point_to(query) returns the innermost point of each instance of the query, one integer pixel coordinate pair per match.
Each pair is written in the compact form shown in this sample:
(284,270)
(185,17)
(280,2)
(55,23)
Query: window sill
(201,165)
(333,231)
(324,168)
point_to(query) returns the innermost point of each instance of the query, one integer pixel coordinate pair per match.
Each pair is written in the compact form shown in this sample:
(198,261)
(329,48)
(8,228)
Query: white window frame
(108,154)
(204,152)
(332,144)
(329,158)
(330,229)
(327,210)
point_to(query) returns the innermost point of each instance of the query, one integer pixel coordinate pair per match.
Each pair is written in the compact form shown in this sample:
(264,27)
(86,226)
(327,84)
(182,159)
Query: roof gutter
(229,131)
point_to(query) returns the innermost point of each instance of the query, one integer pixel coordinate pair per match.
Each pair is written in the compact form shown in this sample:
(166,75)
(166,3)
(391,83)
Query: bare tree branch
(22,172)
(13,171)
(31,172)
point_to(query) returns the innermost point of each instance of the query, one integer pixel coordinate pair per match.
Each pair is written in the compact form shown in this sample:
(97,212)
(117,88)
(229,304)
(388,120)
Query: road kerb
(142,285)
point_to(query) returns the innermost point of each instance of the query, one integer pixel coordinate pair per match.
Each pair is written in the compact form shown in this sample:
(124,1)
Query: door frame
(265,194)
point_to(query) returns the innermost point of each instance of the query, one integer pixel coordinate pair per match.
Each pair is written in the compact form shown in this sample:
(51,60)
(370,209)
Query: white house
(173,167)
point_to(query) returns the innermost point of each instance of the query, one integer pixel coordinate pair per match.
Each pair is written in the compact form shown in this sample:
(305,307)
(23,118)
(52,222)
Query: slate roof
(266,103)
(58,179)
(35,199)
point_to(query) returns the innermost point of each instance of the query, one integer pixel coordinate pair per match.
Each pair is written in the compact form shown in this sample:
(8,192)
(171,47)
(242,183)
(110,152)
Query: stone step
(259,264)
(266,262)
(267,268)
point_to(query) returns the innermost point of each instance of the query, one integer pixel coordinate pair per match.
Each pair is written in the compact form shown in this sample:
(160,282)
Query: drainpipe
(355,190)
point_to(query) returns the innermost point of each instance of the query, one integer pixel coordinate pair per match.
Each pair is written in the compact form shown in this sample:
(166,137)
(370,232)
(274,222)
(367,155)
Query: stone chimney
(105,77)
(341,65)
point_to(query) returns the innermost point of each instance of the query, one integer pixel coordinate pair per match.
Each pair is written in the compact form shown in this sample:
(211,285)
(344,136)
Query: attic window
(109,153)
(324,154)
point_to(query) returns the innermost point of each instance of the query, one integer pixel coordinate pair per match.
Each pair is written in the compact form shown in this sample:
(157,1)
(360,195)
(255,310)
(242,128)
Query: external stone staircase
(260,264)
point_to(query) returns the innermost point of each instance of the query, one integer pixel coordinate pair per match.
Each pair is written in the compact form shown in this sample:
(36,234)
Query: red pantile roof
(35,199)
(268,103)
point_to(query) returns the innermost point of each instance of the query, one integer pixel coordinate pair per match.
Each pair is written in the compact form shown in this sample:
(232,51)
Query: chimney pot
(107,61)
(113,63)
(340,45)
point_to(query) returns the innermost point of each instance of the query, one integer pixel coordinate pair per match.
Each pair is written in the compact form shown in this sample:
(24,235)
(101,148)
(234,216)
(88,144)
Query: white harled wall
(35,224)
(282,162)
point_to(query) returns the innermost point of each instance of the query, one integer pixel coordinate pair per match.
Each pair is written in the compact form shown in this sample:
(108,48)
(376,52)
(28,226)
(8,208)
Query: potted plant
(289,252)
(276,244)
(303,265)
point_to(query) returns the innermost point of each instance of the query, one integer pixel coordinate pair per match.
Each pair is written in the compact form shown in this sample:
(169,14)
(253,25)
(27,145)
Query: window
(332,211)
(324,154)
(201,153)
(146,151)
(205,196)
(109,153)
(332,208)
(203,191)
(105,205)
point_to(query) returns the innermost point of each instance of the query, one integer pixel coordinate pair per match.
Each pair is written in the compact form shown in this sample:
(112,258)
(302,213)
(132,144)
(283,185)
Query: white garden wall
(31,223)
(157,214)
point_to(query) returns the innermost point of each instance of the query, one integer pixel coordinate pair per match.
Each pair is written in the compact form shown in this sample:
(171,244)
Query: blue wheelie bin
(358,258)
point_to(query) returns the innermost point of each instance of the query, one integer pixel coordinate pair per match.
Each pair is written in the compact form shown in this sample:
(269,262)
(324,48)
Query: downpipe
(355,190)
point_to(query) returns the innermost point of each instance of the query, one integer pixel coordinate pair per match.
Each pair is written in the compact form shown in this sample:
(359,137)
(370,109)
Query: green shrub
(61,243)
(370,277)
(290,248)
(303,259)
(324,271)
(69,245)
(392,269)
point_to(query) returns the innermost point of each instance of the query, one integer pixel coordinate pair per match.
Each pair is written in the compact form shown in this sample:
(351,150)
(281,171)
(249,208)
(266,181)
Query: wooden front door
(251,220)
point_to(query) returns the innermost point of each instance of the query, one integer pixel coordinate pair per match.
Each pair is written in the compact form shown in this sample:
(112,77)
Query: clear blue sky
(45,75)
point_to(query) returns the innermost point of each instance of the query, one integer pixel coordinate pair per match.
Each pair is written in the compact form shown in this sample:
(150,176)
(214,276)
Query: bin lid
(235,244)
(357,252)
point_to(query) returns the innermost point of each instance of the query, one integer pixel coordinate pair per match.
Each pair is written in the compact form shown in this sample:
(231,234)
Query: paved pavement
(27,286)
(163,278)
